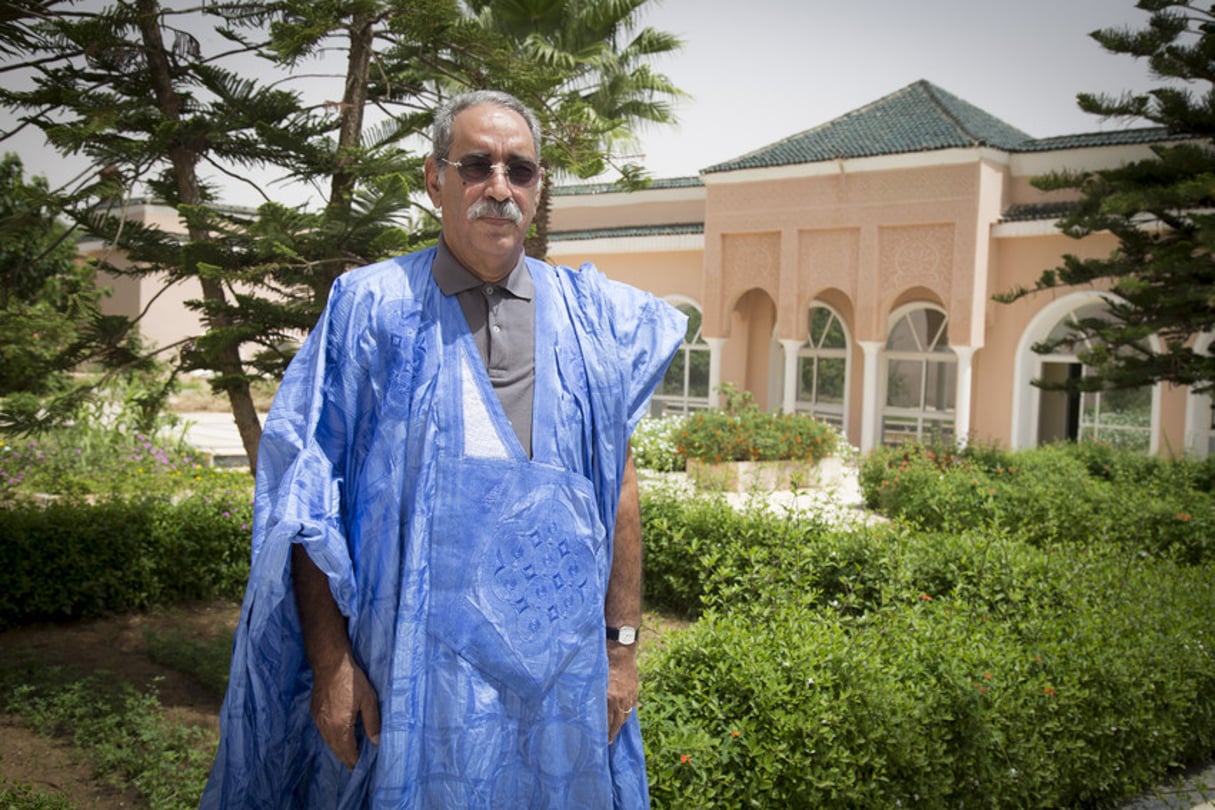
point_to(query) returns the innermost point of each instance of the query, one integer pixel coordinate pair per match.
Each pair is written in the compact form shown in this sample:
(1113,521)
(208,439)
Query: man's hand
(622,686)
(339,696)
(341,692)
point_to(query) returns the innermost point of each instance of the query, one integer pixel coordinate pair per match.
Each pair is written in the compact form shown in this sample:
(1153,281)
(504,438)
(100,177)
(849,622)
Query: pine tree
(1162,274)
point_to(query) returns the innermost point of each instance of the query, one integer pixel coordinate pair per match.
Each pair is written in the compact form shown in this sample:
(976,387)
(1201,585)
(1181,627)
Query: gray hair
(445,116)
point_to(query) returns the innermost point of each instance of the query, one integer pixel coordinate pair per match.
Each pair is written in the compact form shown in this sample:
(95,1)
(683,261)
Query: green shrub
(973,696)
(742,432)
(72,559)
(1059,493)
(683,537)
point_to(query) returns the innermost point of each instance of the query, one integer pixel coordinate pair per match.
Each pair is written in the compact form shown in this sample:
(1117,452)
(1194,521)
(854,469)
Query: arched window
(822,368)
(1121,417)
(921,379)
(685,388)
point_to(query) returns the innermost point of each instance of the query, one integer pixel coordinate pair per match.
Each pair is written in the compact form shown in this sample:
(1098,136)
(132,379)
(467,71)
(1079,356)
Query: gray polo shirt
(502,317)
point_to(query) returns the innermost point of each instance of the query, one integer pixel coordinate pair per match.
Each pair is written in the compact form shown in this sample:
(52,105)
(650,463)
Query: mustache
(484,207)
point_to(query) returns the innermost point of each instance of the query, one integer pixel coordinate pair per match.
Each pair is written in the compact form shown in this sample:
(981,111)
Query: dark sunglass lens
(475,170)
(521,173)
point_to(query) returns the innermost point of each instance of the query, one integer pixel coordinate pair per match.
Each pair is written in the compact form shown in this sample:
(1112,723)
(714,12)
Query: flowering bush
(93,461)
(653,444)
(742,432)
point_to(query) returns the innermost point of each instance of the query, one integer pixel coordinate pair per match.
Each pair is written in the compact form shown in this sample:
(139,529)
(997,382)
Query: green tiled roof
(918,118)
(1118,137)
(611,188)
(677,229)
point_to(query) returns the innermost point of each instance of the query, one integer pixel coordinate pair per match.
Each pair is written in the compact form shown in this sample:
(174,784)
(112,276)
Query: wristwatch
(622,635)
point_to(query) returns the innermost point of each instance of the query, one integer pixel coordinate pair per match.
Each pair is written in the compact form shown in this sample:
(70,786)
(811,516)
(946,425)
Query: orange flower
(1183,517)
(925,597)
(1048,691)
(987,675)
(684,759)
(735,733)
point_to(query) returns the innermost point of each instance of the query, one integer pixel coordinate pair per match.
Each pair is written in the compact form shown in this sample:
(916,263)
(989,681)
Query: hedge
(71,559)
(1031,630)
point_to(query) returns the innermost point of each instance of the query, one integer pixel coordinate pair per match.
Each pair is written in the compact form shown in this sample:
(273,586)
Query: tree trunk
(350,135)
(184,159)
(536,244)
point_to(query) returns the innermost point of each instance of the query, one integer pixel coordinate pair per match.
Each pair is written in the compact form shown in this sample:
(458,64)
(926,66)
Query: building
(848,272)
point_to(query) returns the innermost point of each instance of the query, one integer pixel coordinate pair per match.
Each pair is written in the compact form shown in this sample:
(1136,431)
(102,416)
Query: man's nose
(498,184)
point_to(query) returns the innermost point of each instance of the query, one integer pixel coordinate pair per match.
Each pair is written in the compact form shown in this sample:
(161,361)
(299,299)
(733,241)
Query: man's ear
(431,171)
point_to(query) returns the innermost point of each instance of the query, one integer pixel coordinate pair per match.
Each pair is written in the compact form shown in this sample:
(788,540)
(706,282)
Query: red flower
(1048,691)
(735,733)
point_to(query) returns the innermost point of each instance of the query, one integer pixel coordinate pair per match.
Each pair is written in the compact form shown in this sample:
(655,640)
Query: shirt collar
(453,277)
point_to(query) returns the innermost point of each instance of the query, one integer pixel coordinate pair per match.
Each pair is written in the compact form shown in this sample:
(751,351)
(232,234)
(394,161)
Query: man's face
(488,244)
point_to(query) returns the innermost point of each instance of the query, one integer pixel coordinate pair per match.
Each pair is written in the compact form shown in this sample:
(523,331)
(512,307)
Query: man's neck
(490,275)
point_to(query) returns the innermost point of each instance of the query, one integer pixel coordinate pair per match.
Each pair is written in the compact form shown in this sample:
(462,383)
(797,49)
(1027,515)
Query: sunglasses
(521,173)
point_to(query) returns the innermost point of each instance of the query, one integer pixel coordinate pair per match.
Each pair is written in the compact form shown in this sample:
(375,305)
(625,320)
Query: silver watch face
(627,635)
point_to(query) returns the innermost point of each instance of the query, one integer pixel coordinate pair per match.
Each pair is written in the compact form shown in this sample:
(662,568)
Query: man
(446,572)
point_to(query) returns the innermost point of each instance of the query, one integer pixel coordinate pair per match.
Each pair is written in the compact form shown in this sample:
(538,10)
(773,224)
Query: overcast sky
(761,70)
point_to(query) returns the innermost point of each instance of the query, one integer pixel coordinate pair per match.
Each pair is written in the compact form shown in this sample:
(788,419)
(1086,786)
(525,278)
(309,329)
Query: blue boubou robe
(472,577)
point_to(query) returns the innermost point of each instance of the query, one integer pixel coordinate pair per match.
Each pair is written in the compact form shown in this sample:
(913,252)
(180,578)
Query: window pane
(903,383)
(826,331)
(806,366)
(897,429)
(942,386)
(698,373)
(831,379)
(672,383)
(694,319)
(902,337)
(933,323)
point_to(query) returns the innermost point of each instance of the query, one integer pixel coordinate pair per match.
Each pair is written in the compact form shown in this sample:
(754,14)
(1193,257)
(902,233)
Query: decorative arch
(916,297)
(1127,418)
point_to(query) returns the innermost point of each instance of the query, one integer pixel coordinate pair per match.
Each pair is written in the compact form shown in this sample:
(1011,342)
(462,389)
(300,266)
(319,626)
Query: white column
(715,347)
(962,397)
(871,412)
(789,401)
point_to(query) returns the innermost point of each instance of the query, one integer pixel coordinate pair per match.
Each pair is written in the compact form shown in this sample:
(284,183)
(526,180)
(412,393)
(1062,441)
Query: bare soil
(117,645)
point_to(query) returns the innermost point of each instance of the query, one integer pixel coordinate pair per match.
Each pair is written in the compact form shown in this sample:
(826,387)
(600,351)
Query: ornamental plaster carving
(829,259)
(750,260)
(920,255)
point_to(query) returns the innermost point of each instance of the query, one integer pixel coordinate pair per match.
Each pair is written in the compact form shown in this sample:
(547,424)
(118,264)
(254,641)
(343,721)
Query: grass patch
(119,728)
(206,660)
(20,796)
